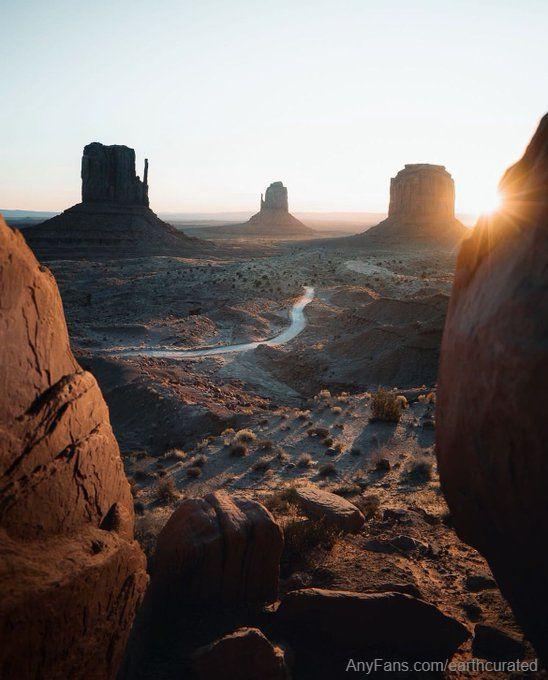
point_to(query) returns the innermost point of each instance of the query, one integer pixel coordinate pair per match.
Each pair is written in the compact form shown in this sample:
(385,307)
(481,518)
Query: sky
(225,96)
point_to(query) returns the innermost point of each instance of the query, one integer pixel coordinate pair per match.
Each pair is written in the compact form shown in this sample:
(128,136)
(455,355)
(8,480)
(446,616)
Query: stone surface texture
(335,511)
(245,654)
(492,427)
(108,176)
(217,550)
(275,197)
(71,575)
(422,192)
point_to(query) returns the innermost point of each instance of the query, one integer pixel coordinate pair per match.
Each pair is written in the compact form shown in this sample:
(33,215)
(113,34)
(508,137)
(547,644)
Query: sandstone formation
(217,550)
(395,623)
(274,218)
(113,219)
(335,511)
(491,412)
(421,210)
(245,654)
(71,575)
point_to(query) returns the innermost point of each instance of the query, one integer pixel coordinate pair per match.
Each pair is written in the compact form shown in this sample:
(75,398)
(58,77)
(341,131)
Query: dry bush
(194,471)
(419,471)
(147,528)
(304,460)
(262,464)
(339,447)
(228,432)
(281,502)
(283,456)
(265,445)
(301,536)
(166,491)
(303,415)
(402,401)
(382,464)
(385,407)
(336,410)
(321,432)
(369,504)
(324,394)
(199,461)
(245,435)
(327,469)
(201,445)
(346,489)
(328,441)
(174,454)
(238,449)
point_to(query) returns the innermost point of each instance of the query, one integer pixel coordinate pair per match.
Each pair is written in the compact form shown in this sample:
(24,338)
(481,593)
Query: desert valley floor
(267,421)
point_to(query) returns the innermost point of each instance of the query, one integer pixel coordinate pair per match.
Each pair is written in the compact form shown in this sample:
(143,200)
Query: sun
(491,203)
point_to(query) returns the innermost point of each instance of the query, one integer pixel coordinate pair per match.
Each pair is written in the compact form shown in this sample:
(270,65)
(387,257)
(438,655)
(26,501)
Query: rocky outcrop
(108,176)
(245,654)
(491,408)
(335,511)
(421,210)
(395,623)
(113,219)
(273,219)
(71,575)
(217,550)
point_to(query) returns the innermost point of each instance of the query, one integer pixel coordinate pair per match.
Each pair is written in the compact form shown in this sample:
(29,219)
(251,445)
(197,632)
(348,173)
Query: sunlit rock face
(275,197)
(492,429)
(71,575)
(422,192)
(108,176)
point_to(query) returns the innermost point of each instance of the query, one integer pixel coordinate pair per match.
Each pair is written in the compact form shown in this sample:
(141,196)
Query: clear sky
(226,96)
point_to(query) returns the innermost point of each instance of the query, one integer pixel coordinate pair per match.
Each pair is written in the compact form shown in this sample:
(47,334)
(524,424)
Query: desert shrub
(419,471)
(339,447)
(321,432)
(265,445)
(194,471)
(402,401)
(343,398)
(429,398)
(283,456)
(166,491)
(262,464)
(346,489)
(227,432)
(174,454)
(336,410)
(199,461)
(327,469)
(311,431)
(301,536)
(245,435)
(324,394)
(382,465)
(328,441)
(369,504)
(238,449)
(385,407)
(304,460)
(303,415)
(202,444)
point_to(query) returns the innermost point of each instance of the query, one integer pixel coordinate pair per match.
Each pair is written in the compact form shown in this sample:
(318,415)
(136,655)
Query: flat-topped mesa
(108,176)
(275,198)
(422,191)
(421,211)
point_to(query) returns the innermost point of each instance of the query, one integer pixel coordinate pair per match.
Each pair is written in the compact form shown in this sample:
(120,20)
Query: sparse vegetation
(327,469)
(419,471)
(166,491)
(369,504)
(303,415)
(328,441)
(385,406)
(336,410)
(238,449)
(199,461)
(245,435)
(194,471)
(262,464)
(265,445)
(304,460)
(174,454)
(283,456)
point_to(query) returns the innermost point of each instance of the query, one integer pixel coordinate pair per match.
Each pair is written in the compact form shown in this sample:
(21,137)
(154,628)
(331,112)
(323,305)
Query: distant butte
(421,210)
(114,218)
(274,218)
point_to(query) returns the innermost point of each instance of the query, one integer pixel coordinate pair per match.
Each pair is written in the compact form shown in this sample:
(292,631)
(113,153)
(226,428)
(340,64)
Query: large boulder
(492,427)
(245,654)
(336,512)
(396,624)
(71,575)
(217,550)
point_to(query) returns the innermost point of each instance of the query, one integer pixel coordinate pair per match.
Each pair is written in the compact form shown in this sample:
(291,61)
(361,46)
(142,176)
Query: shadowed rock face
(421,210)
(422,192)
(71,575)
(113,220)
(108,176)
(491,414)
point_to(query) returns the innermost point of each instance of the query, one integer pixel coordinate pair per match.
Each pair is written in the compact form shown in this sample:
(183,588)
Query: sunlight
(491,203)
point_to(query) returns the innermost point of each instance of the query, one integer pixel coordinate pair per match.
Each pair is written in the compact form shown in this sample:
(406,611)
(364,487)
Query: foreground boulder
(245,654)
(395,623)
(333,510)
(217,550)
(496,645)
(491,411)
(71,575)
